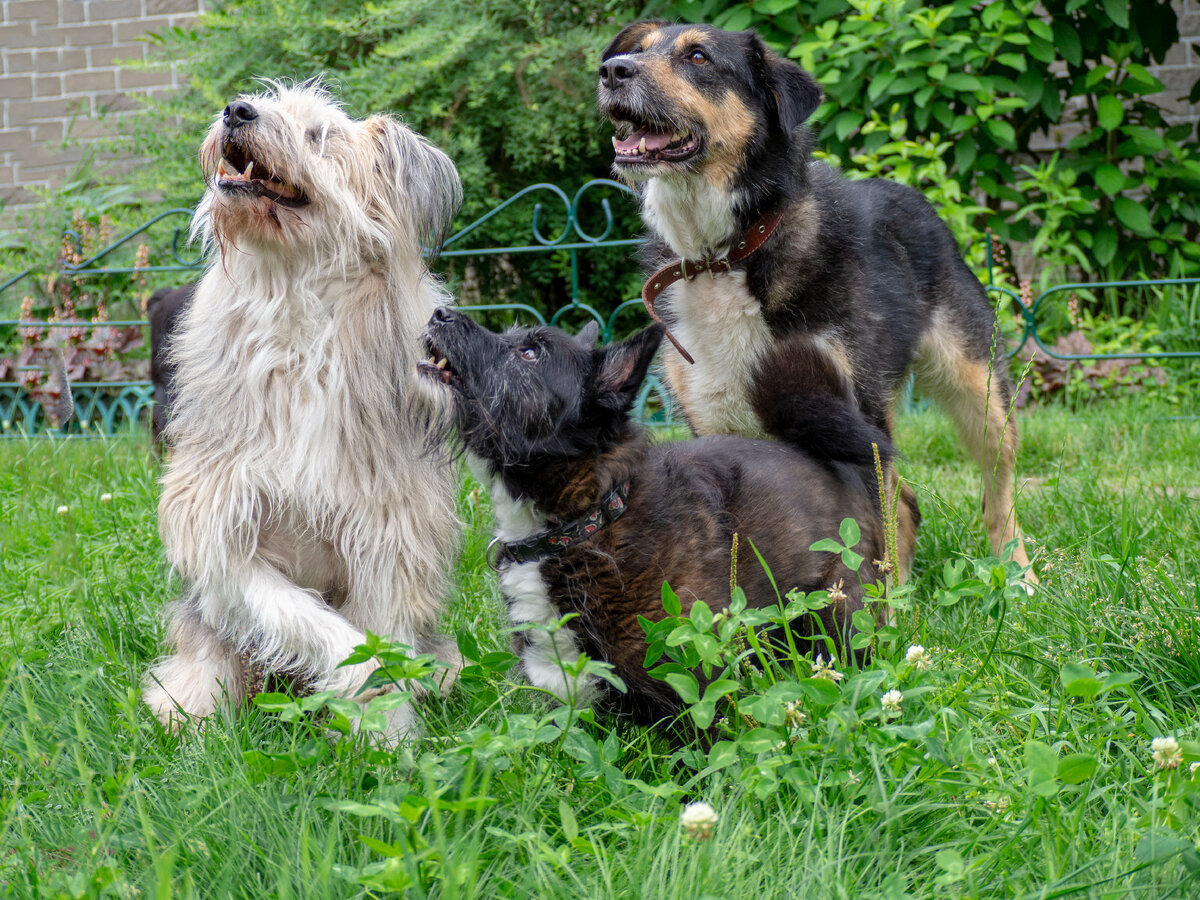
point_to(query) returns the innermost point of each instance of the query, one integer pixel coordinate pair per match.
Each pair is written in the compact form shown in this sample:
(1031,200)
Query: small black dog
(592,519)
(770,268)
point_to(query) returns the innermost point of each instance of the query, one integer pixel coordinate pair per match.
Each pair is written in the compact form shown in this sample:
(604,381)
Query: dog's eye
(528,353)
(699,57)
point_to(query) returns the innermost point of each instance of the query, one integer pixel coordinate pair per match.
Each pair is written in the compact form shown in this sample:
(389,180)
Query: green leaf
(1133,216)
(670,601)
(1079,680)
(1118,11)
(685,686)
(759,740)
(1003,133)
(849,532)
(961,81)
(1109,112)
(820,690)
(846,122)
(1104,245)
(773,7)
(1075,768)
(1067,41)
(964,154)
(1109,179)
(1041,760)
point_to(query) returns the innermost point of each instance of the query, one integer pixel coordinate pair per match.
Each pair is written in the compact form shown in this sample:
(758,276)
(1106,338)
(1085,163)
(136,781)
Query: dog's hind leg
(191,682)
(977,397)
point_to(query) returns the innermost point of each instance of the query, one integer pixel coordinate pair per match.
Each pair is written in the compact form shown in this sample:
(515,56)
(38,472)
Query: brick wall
(62,85)
(1181,68)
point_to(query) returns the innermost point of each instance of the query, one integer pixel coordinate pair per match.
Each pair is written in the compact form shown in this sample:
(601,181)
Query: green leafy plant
(1001,83)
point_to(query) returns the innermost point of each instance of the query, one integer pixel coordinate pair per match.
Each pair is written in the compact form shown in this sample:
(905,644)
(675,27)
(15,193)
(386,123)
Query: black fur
(861,283)
(546,415)
(164,308)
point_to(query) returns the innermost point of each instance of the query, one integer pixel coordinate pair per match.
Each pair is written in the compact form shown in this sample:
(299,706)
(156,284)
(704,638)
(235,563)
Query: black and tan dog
(591,519)
(774,270)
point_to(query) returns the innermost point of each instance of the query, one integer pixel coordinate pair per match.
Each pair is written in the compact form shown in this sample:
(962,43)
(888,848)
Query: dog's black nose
(616,70)
(442,315)
(239,112)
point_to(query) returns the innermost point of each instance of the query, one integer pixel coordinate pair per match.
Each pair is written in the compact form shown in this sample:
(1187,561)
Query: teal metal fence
(568,227)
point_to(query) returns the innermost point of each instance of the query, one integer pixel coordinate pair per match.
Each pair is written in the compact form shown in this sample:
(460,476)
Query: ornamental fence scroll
(565,230)
(568,234)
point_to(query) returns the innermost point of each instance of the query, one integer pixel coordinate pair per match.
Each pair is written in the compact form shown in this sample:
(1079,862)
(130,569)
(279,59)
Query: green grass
(1012,770)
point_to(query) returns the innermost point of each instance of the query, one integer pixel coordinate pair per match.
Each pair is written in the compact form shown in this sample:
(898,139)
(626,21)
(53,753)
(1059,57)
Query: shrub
(993,86)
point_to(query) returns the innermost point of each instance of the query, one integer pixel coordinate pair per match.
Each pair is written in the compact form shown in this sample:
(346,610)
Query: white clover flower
(62,510)
(991,761)
(106,498)
(891,701)
(1193,768)
(698,820)
(823,668)
(918,657)
(793,715)
(836,594)
(1166,752)
(852,777)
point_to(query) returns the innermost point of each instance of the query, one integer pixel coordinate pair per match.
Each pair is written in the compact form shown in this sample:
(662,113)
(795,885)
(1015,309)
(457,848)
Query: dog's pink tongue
(654,140)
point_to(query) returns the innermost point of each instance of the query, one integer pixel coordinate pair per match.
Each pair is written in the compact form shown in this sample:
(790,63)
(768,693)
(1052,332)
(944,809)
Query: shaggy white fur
(304,501)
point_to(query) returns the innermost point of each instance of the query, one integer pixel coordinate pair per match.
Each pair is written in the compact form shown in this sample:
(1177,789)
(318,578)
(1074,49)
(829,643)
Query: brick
(112,54)
(84,35)
(18,35)
(44,12)
(16,87)
(1176,56)
(48,134)
(72,58)
(17,140)
(161,7)
(18,61)
(129,79)
(18,196)
(72,13)
(107,104)
(29,111)
(107,10)
(88,128)
(131,31)
(90,82)
(47,86)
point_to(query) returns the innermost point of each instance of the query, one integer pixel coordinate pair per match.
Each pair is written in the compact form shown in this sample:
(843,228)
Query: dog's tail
(828,427)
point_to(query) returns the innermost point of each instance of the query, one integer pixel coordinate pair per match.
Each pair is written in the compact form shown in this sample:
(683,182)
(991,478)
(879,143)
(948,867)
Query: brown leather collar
(688,269)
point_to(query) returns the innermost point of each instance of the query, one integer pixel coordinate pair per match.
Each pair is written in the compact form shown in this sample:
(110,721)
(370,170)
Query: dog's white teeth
(221,170)
(441,363)
(249,169)
(616,144)
(642,145)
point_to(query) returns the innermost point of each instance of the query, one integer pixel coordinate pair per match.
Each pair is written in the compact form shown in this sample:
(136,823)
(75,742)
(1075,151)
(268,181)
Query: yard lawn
(1019,764)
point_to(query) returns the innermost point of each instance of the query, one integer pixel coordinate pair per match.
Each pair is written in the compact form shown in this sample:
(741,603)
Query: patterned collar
(557,541)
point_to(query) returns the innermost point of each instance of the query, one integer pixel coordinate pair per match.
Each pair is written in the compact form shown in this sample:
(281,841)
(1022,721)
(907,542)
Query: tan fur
(963,388)
(303,503)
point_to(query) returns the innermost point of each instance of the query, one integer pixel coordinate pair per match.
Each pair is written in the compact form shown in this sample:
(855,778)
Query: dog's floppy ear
(424,176)
(631,36)
(797,94)
(589,334)
(622,368)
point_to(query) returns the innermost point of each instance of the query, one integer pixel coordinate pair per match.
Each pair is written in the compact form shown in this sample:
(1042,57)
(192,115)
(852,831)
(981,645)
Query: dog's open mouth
(638,143)
(238,171)
(436,366)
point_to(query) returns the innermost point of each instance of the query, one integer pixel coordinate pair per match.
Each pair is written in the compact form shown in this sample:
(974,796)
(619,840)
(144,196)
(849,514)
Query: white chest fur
(546,653)
(720,323)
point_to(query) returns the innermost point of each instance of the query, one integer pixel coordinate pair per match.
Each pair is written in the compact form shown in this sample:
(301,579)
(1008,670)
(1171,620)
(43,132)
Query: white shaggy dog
(304,502)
